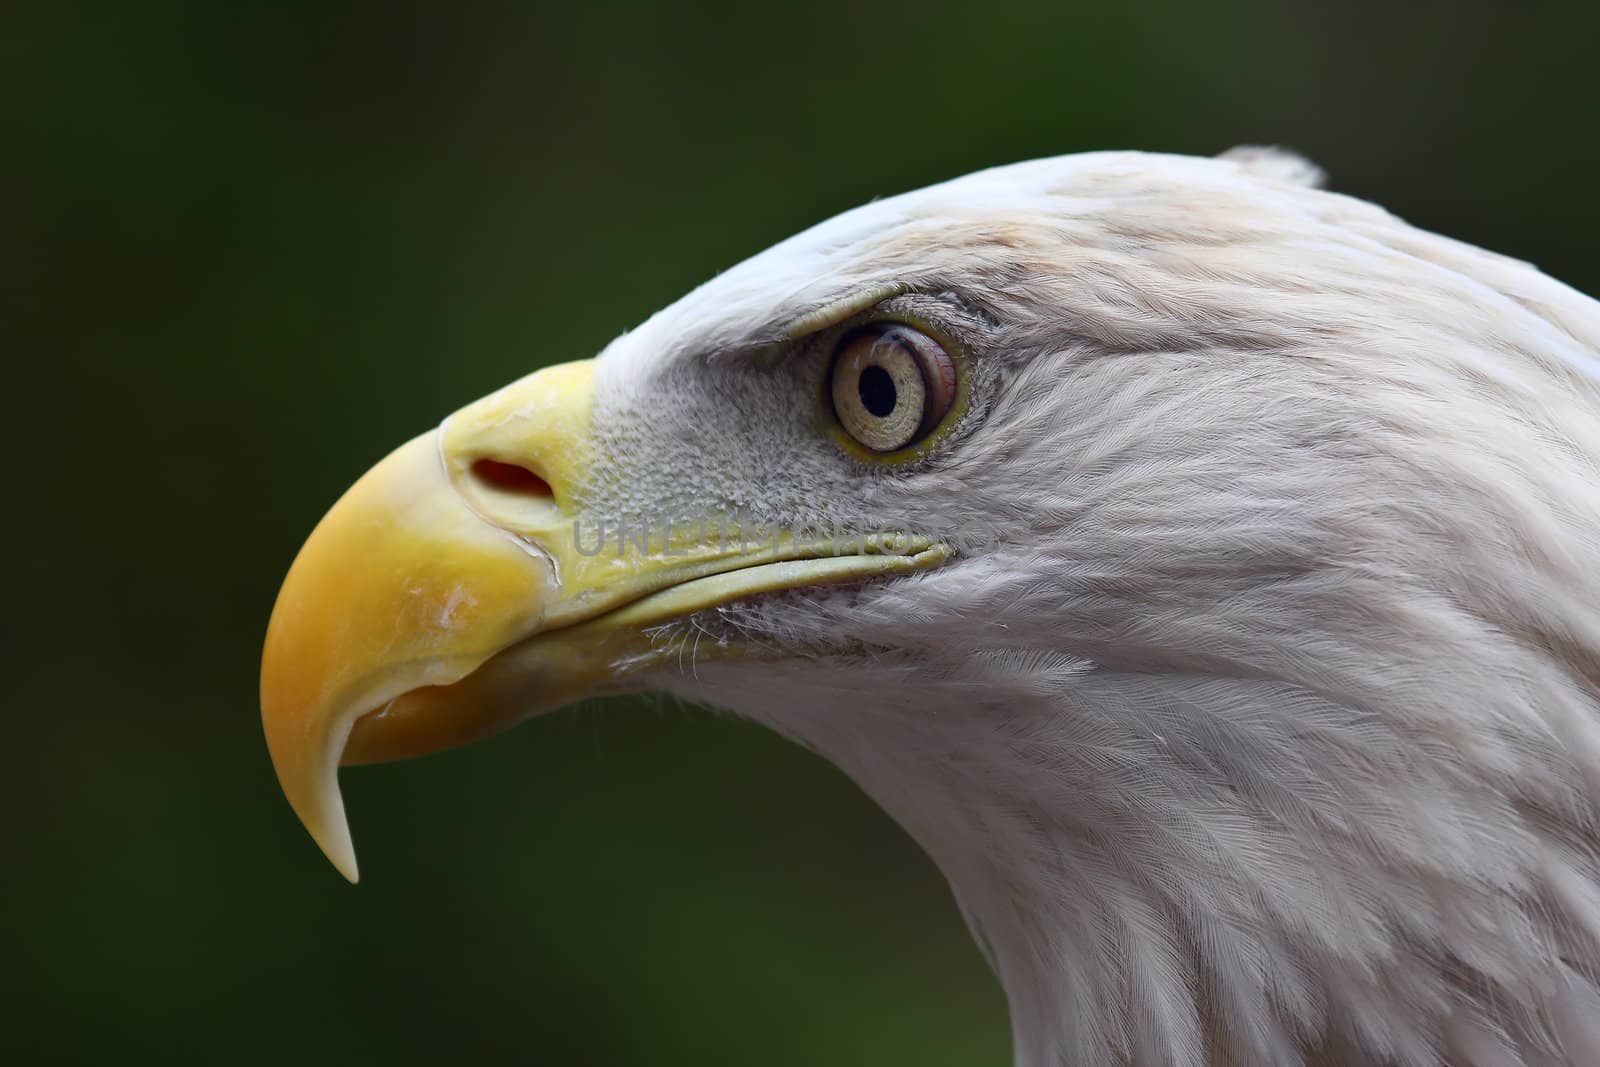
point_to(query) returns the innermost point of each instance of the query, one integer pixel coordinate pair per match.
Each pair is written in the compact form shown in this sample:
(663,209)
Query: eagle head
(1201,566)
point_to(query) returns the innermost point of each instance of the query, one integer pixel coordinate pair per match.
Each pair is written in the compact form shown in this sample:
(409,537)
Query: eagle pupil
(877,391)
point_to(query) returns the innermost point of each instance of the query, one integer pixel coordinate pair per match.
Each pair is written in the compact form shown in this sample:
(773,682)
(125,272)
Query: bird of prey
(1200,565)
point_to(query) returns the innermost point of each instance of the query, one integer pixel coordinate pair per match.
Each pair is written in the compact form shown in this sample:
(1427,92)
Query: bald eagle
(1200,565)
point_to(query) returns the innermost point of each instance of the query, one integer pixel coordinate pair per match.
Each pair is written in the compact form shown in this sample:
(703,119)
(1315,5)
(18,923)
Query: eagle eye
(891,384)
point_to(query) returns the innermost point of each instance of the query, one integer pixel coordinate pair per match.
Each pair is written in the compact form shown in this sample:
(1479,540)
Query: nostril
(511,478)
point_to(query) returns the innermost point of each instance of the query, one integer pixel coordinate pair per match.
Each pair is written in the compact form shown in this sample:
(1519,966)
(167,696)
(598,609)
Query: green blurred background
(256,245)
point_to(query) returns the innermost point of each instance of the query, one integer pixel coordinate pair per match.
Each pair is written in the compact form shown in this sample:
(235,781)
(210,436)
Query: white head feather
(1258,721)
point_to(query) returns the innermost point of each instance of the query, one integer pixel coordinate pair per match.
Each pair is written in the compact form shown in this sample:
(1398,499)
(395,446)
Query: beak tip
(332,834)
(316,799)
(336,845)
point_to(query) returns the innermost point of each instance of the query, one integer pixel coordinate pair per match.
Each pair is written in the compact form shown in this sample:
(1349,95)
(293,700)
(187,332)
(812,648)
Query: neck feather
(1175,869)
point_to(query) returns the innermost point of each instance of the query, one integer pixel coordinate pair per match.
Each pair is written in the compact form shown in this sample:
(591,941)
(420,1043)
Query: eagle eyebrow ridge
(845,307)
(767,349)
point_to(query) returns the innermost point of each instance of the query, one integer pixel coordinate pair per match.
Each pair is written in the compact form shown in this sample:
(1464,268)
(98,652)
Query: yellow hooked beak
(455,590)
